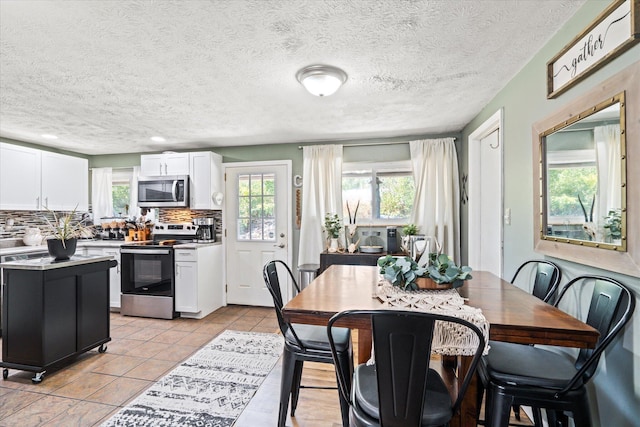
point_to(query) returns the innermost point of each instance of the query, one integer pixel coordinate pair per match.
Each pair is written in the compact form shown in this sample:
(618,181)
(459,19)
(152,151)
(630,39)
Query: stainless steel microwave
(163,191)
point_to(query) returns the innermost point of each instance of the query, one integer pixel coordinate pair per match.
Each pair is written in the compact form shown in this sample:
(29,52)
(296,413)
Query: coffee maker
(206,232)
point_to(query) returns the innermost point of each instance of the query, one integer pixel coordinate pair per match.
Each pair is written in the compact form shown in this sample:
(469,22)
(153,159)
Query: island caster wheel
(37,379)
(5,373)
(102,348)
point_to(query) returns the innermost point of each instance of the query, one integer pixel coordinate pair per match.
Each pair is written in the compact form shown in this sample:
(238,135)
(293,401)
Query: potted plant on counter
(62,233)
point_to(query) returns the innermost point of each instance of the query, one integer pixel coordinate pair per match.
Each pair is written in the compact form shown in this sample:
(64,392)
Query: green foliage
(442,269)
(401,271)
(410,230)
(332,225)
(564,186)
(613,222)
(396,197)
(120,196)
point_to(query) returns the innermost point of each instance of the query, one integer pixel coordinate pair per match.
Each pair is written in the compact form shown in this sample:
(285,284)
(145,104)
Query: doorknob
(281,245)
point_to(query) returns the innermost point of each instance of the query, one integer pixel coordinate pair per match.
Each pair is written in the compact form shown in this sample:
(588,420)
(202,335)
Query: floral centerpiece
(405,273)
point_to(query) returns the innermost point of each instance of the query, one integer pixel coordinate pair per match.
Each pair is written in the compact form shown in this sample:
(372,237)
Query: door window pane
(256,207)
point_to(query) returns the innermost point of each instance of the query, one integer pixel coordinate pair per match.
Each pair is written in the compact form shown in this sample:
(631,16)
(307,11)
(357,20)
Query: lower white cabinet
(199,283)
(114,274)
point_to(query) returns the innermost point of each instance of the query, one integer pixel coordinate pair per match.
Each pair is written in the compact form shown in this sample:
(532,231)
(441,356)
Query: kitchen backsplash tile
(26,219)
(186,215)
(23,220)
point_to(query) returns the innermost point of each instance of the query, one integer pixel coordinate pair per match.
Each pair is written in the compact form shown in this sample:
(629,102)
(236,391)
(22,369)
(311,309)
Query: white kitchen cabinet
(65,182)
(164,164)
(19,177)
(186,274)
(114,278)
(205,176)
(198,281)
(32,179)
(114,273)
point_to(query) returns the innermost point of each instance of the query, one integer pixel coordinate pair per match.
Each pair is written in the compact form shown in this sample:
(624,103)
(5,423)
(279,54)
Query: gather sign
(615,30)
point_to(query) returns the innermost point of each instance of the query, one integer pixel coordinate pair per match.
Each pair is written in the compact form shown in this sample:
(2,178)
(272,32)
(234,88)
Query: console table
(357,258)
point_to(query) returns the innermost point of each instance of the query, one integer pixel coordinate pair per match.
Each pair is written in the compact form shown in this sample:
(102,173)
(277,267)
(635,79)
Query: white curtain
(133,193)
(607,139)
(101,197)
(436,207)
(321,194)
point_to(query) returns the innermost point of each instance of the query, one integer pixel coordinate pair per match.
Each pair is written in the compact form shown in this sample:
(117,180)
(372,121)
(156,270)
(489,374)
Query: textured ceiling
(105,76)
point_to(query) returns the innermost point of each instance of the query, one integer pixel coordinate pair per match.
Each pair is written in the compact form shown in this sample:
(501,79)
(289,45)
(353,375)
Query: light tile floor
(90,390)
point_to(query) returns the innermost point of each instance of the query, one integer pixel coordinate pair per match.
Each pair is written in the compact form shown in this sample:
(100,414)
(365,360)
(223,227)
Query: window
(121,191)
(381,192)
(121,196)
(571,173)
(256,207)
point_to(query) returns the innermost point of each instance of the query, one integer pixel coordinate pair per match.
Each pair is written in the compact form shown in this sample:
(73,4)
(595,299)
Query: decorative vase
(32,237)
(60,252)
(333,245)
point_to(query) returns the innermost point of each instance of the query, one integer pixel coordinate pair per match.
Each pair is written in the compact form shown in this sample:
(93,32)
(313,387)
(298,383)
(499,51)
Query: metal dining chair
(546,281)
(305,343)
(542,378)
(400,389)
(544,286)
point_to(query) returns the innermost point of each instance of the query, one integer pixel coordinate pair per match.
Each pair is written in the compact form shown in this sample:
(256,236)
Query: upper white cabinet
(164,164)
(32,179)
(19,177)
(65,182)
(205,176)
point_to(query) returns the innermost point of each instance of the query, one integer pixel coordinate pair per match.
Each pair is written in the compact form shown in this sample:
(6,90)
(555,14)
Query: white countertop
(48,263)
(196,245)
(19,250)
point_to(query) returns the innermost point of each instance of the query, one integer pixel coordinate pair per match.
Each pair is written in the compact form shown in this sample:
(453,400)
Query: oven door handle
(146,251)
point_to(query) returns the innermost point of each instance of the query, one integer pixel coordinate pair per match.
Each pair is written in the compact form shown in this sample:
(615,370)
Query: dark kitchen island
(52,311)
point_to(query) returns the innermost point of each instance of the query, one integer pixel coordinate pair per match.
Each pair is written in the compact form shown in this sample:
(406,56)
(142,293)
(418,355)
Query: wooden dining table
(513,315)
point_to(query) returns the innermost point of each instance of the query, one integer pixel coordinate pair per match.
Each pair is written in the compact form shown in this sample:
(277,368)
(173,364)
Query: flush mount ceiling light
(321,80)
(48,136)
(157,139)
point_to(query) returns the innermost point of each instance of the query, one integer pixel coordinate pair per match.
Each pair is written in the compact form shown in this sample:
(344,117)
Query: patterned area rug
(211,388)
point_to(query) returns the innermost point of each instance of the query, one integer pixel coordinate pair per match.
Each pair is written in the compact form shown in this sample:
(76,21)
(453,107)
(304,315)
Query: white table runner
(449,339)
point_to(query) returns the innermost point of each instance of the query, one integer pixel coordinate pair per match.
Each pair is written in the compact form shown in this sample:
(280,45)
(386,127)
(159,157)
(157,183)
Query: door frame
(492,124)
(288,165)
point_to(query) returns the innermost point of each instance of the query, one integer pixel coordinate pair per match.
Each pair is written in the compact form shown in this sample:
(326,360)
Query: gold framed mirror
(583,170)
(573,228)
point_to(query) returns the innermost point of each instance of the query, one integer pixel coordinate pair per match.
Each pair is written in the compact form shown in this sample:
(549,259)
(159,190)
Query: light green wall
(615,391)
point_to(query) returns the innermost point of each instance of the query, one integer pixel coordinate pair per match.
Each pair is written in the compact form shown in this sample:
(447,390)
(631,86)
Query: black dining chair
(543,378)
(304,343)
(400,389)
(544,286)
(546,281)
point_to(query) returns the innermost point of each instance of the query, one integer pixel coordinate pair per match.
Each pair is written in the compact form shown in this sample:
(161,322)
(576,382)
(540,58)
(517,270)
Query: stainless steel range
(147,281)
